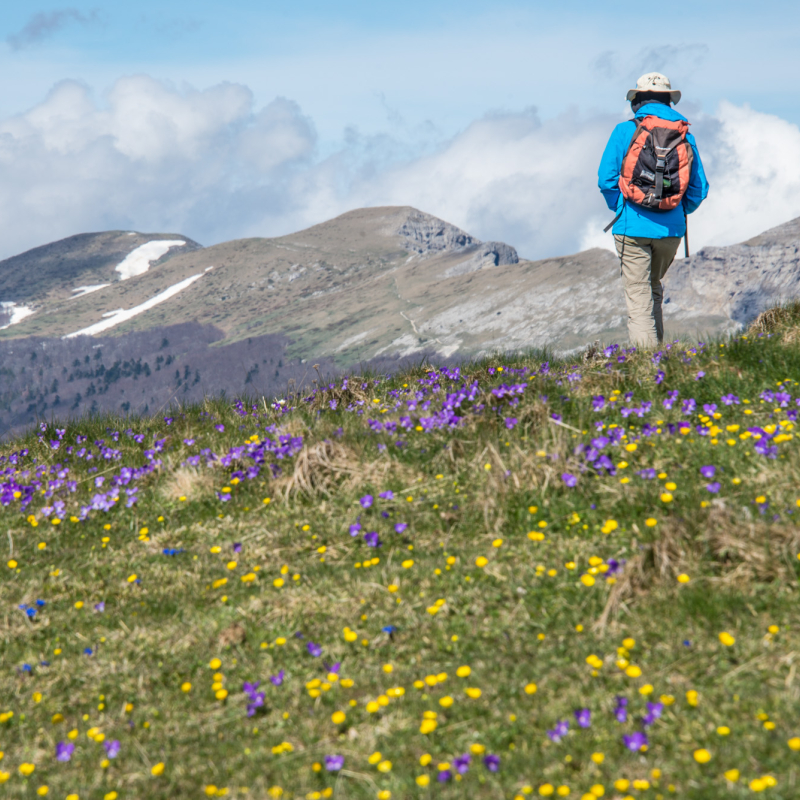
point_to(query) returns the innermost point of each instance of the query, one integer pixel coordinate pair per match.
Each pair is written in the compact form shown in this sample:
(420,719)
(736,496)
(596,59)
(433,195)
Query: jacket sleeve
(697,190)
(611,163)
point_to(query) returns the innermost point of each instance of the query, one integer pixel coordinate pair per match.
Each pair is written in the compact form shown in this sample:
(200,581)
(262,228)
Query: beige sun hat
(654,82)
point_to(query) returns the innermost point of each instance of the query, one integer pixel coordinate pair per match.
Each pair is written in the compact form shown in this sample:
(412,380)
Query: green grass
(540,605)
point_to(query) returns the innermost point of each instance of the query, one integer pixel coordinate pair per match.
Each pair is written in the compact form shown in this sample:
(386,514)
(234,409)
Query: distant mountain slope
(379,282)
(740,281)
(43,278)
(174,321)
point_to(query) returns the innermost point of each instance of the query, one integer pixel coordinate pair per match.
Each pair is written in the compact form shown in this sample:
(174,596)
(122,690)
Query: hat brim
(674,94)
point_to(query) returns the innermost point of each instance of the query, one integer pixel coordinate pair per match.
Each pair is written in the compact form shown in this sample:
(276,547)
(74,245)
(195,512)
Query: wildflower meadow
(519,577)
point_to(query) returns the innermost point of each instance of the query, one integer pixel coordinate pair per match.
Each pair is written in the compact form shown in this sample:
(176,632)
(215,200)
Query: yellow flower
(12,564)
(610,525)
(546,789)
(423,780)
(425,759)
(702,756)
(464,672)
(531,688)
(481,561)
(408,563)
(732,775)
(221,694)
(385,794)
(794,743)
(622,784)
(633,671)
(215,663)
(110,796)
(387,668)
(473,692)
(646,689)
(446,701)
(42,791)
(666,497)
(4,776)
(338,717)
(723,730)
(385,766)
(477,749)
(598,758)
(692,698)
(651,522)
(27,769)
(683,578)
(727,639)
(587,580)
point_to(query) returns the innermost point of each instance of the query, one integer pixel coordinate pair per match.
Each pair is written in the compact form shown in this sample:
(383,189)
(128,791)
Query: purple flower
(621,709)
(569,480)
(237,547)
(713,487)
(314,649)
(689,405)
(614,566)
(334,668)
(387,495)
(708,471)
(635,741)
(220,427)
(334,763)
(188,442)
(461,763)
(600,442)
(277,680)
(510,422)
(584,717)
(100,607)
(653,713)
(444,776)
(598,402)
(400,527)
(355,528)
(64,751)
(709,408)
(559,731)
(366,501)
(491,762)
(730,399)
(112,748)
(660,375)
(372,539)
(700,375)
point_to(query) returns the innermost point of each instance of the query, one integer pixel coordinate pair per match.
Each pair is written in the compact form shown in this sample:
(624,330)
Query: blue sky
(374,65)
(375,91)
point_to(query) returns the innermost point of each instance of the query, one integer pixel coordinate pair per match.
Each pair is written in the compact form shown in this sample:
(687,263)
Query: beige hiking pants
(644,263)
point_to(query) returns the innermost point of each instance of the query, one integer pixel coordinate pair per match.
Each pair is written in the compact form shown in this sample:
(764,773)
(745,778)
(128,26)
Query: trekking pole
(686,234)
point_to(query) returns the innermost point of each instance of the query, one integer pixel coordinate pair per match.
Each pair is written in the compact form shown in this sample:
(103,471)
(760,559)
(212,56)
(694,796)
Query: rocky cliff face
(739,281)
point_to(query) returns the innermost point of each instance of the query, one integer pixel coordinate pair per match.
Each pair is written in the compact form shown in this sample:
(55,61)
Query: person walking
(651,176)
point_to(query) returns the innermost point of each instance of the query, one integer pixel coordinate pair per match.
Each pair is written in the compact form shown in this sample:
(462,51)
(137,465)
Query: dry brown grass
(774,318)
(189,483)
(737,551)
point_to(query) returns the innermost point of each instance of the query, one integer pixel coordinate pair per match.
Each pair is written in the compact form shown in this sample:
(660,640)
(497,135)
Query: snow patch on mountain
(80,291)
(138,261)
(13,314)
(112,318)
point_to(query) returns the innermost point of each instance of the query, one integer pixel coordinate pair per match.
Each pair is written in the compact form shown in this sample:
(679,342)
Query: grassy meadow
(524,577)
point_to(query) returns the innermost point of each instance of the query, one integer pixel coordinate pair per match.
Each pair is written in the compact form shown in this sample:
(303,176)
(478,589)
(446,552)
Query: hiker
(651,177)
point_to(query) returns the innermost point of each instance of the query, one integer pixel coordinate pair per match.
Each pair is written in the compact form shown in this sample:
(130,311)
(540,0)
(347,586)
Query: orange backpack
(657,165)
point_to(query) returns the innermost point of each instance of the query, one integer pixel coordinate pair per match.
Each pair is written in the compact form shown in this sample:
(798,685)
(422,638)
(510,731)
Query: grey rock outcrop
(485,256)
(425,234)
(739,281)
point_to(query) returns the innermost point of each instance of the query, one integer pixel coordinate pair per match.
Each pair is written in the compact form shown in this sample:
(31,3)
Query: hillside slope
(565,578)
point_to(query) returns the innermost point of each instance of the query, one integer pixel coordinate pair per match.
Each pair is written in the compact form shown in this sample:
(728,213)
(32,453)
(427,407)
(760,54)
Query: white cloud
(209,165)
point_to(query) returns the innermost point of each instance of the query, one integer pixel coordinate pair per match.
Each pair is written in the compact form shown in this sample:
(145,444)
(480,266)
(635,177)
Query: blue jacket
(636,220)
